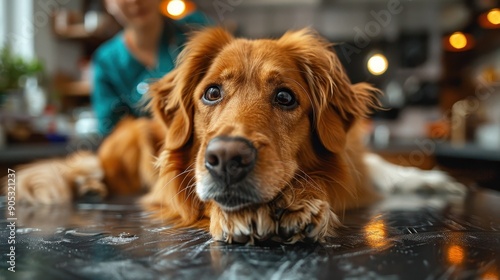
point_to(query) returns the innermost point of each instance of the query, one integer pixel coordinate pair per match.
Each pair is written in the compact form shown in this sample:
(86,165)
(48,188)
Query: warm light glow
(458,40)
(493,16)
(456,255)
(490,19)
(490,275)
(376,234)
(176,7)
(377,64)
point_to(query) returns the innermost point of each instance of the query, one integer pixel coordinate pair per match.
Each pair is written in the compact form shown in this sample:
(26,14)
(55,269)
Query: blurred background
(438,63)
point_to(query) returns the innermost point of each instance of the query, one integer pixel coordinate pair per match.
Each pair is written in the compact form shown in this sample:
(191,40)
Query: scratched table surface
(402,237)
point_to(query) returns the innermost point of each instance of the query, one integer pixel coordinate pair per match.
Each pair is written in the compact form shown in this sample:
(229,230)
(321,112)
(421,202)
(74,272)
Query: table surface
(405,236)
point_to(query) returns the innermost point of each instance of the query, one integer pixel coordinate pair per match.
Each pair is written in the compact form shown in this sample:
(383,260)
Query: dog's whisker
(181,189)
(190,170)
(192,189)
(186,171)
(310,181)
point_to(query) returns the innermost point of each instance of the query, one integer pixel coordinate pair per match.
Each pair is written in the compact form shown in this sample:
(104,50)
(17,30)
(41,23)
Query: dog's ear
(172,96)
(336,103)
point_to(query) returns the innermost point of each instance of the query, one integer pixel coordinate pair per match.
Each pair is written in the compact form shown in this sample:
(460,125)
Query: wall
(26,26)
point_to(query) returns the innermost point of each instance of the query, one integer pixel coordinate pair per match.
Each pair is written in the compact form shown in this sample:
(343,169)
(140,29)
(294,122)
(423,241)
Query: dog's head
(257,111)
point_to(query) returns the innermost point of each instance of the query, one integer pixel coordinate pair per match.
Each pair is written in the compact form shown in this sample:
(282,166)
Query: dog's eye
(212,95)
(285,99)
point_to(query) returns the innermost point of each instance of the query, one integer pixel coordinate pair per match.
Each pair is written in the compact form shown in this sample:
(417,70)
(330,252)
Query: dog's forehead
(255,61)
(250,56)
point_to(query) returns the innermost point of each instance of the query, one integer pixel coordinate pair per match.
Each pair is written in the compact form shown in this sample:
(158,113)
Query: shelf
(70,25)
(76,88)
(74,31)
(78,32)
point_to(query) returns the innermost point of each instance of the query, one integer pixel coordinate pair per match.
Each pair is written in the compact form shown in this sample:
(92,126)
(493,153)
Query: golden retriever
(250,139)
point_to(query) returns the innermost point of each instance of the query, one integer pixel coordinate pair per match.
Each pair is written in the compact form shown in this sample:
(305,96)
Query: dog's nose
(230,159)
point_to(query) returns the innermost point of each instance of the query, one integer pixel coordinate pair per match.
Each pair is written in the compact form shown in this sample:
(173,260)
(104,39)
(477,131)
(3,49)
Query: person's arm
(106,102)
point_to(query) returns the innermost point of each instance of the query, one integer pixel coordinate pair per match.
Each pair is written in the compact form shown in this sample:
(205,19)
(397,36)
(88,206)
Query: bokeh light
(458,40)
(377,64)
(176,7)
(493,16)
(455,254)
(376,234)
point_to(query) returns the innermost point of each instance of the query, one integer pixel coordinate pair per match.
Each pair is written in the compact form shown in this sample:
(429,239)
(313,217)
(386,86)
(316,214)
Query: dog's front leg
(305,215)
(294,216)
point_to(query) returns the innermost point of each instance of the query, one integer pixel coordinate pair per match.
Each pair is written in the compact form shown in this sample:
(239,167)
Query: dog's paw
(437,181)
(90,186)
(42,184)
(307,220)
(43,193)
(243,226)
(59,181)
(390,178)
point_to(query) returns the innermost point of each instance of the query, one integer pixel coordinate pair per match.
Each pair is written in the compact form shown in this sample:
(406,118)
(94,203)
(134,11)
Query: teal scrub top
(120,80)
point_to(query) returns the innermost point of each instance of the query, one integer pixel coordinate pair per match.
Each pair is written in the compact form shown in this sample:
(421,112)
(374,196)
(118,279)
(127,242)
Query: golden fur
(59,180)
(309,163)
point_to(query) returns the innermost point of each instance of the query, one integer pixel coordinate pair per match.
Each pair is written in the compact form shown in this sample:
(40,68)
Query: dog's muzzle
(230,163)
(230,159)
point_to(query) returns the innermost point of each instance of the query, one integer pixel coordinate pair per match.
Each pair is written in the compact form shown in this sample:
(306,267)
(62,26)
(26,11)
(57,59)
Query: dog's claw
(278,212)
(310,240)
(286,233)
(309,228)
(241,239)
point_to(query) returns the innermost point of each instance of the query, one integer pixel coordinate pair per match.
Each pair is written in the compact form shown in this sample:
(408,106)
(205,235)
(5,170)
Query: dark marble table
(403,237)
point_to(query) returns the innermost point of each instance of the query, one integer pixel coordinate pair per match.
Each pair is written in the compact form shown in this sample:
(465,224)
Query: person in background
(144,51)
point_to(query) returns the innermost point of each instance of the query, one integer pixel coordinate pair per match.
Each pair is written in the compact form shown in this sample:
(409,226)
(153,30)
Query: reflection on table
(403,236)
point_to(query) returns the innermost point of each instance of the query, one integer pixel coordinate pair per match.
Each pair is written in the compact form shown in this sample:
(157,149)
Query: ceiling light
(176,7)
